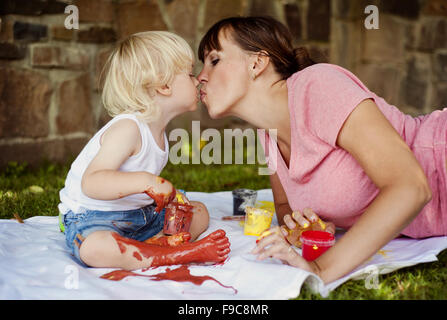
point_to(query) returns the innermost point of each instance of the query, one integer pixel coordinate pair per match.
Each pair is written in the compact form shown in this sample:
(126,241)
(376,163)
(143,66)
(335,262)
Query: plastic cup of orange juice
(315,243)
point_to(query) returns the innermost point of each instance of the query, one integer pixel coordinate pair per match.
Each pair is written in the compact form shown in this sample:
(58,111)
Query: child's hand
(162,191)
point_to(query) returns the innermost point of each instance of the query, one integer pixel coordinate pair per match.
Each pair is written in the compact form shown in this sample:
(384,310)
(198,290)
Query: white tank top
(150,158)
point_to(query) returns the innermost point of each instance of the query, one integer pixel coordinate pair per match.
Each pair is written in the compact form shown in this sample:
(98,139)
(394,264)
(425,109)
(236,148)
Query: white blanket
(36,264)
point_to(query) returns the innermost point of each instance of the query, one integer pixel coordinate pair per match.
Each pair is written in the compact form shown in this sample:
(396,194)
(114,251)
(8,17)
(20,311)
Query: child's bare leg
(106,249)
(200,219)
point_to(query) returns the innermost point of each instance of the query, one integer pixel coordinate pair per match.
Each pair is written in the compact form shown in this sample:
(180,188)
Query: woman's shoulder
(320,71)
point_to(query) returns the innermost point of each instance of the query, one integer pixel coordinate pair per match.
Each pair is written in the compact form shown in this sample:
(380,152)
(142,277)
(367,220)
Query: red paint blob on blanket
(181,274)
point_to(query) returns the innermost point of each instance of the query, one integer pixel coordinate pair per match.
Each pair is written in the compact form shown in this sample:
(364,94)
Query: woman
(343,152)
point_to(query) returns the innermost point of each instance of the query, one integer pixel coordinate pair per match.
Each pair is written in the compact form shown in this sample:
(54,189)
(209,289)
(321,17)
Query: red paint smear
(213,248)
(181,274)
(172,241)
(137,256)
(161,199)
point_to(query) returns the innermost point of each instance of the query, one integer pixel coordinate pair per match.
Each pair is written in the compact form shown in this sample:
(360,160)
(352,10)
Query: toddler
(113,204)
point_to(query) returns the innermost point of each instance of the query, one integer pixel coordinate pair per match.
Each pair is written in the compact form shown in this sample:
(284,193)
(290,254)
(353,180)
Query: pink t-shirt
(325,177)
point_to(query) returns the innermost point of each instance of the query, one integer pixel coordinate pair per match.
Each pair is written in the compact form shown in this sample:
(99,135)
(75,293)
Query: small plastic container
(257,220)
(243,198)
(315,243)
(178,216)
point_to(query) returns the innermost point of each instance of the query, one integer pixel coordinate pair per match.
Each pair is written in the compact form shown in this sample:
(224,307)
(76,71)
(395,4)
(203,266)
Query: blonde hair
(140,64)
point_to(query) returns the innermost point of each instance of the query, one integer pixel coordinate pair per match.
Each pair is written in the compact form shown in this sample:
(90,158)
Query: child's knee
(201,217)
(94,249)
(201,211)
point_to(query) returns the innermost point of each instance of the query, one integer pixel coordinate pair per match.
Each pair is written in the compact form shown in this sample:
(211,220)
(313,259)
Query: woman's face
(224,78)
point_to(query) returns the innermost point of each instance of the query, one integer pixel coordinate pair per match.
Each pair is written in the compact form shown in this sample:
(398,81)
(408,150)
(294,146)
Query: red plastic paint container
(315,243)
(178,218)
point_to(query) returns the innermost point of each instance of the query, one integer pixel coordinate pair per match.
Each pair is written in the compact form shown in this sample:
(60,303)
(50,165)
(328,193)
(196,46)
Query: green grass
(423,281)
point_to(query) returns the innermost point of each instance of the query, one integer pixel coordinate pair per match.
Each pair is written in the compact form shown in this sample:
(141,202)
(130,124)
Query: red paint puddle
(181,274)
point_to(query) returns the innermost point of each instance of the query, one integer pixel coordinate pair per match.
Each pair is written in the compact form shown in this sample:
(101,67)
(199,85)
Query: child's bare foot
(172,241)
(213,248)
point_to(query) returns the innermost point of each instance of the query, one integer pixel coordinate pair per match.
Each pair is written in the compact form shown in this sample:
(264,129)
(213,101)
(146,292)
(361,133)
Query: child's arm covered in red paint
(104,181)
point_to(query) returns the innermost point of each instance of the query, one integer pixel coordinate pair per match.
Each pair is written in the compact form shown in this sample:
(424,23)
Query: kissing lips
(202,95)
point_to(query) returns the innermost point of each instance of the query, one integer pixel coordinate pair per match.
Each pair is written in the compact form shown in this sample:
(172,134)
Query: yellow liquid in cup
(257,220)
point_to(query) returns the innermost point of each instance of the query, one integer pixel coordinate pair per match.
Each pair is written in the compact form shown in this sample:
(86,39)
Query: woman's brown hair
(255,34)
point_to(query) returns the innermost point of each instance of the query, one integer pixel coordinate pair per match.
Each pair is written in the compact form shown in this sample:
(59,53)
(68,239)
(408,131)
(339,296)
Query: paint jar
(315,243)
(243,198)
(257,220)
(178,217)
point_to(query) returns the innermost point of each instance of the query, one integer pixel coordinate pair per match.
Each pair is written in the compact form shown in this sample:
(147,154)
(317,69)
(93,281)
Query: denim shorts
(138,224)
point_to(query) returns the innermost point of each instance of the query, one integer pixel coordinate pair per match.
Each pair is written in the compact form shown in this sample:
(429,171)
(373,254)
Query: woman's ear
(165,90)
(259,63)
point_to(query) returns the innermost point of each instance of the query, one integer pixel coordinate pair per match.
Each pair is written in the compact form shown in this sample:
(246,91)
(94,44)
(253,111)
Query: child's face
(185,92)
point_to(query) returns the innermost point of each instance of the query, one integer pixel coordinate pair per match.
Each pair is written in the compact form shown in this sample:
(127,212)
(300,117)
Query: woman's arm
(282,206)
(103,181)
(404,191)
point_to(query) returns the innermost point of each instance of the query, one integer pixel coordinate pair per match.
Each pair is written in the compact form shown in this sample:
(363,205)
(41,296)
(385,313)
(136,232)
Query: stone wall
(49,75)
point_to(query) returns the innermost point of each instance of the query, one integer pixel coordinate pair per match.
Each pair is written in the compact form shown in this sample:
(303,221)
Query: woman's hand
(298,222)
(274,245)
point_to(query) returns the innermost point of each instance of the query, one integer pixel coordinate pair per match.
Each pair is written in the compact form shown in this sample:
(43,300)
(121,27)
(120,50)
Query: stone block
(46,56)
(411,9)
(433,34)
(12,51)
(217,10)
(439,96)
(75,113)
(414,87)
(435,8)
(35,152)
(29,32)
(346,43)
(32,7)
(318,20)
(440,66)
(138,16)
(383,80)
(54,56)
(294,21)
(349,10)
(96,11)
(183,15)
(6,29)
(262,8)
(100,61)
(24,102)
(62,33)
(387,43)
(97,35)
